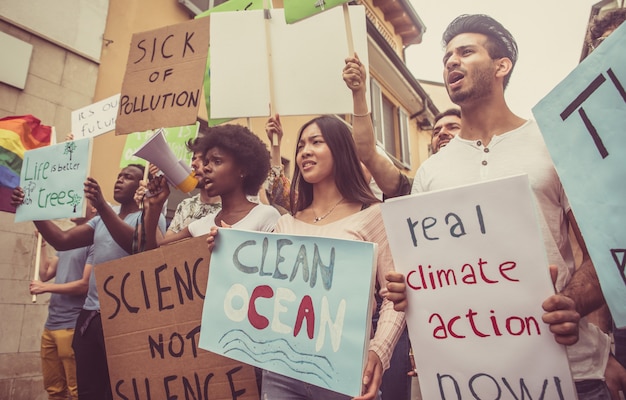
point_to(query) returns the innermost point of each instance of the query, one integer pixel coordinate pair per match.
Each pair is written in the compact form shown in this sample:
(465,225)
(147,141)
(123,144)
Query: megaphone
(157,152)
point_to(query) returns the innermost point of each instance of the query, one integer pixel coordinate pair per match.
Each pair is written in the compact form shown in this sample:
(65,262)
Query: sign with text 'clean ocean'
(52,178)
(477,273)
(295,305)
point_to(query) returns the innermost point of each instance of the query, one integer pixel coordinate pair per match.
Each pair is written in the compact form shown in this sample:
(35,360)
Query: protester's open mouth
(454,79)
(307,165)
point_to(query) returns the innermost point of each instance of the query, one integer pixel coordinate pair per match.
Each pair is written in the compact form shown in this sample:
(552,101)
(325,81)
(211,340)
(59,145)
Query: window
(199,6)
(391,125)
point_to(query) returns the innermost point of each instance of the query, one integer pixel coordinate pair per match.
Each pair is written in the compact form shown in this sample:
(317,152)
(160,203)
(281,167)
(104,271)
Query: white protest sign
(582,121)
(306,63)
(476,274)
(52,178)
(96,118)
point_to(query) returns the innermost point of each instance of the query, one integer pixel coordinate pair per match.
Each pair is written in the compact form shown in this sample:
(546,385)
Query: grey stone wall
(58,82)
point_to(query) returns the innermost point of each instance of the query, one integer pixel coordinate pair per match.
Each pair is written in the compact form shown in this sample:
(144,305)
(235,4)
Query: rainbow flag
(17,134)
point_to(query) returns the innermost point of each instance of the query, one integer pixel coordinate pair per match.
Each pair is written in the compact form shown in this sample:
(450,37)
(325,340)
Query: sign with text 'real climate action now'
(52,178)
(295,305)
(583,123)
(477,273)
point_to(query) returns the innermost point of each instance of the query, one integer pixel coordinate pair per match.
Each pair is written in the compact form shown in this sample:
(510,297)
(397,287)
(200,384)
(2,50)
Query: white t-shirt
(261,218)
(519,151)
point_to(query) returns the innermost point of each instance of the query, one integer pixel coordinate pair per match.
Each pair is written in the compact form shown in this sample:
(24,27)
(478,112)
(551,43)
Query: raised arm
(120,231)
(386,175)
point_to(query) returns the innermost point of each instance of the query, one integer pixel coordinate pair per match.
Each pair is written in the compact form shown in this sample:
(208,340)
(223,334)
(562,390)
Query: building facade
(79,55)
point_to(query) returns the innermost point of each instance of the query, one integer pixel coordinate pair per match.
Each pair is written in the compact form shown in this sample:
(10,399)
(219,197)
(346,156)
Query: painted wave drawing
(277,350)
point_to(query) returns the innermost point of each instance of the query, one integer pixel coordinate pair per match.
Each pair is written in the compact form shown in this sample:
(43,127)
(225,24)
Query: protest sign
(151,307)
(163,82)
(582,121)
(295,305)
(477,273)
(230,5)
(296,10)
(96,118)
(306,58)
(53,178)
(176,138)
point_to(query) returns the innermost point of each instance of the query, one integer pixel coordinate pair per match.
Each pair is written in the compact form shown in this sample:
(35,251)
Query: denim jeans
(592,390)
(279,387)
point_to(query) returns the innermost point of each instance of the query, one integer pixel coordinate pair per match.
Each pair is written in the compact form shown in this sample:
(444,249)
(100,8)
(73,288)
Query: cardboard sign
(176,137)
(301,68)
(582,121)
(296,10)
(151,306)
(96,118)
(163,82)
(477,273)
(295,305)
(230,5)
(53,178)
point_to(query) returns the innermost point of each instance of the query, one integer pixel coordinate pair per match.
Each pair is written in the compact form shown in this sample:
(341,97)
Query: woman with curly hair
(334,200)
(236,163)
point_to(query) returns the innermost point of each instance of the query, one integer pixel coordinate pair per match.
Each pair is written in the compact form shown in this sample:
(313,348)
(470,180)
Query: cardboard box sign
(151,305)
(162,86)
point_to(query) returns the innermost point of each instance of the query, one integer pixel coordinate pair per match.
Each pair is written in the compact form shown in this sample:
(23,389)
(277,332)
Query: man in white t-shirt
(494,142)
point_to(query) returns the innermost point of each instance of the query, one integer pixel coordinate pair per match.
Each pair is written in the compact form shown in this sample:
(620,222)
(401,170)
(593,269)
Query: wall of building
(58,82)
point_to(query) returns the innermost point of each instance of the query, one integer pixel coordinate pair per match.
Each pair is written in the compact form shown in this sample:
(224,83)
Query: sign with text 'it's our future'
(477,273)
(583,121)
(53,178)
(95,119)
(298,306)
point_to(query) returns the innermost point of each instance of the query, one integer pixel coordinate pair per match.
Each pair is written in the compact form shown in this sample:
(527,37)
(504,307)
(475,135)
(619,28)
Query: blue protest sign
(582,121)
(295,305)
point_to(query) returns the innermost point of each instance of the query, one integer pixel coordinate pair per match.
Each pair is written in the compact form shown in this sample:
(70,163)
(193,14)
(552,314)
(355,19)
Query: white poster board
(306,63)
(477,274)
(95,119)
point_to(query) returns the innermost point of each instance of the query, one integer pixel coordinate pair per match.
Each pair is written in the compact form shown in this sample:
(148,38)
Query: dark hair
(450,111)
(140,167)
(249,152)
(194,145)
(602,23)
(347,169)
(500,42)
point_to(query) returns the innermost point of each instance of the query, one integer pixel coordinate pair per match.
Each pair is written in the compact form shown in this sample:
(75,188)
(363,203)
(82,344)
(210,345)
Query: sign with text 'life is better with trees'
(53,178)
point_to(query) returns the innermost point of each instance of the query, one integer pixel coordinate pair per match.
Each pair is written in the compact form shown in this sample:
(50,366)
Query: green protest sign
(296,10)
(176,137)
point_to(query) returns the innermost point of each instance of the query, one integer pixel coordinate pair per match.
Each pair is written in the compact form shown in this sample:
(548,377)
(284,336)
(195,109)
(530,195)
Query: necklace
(318,219)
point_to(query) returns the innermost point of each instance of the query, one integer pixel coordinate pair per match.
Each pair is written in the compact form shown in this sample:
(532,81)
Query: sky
(549,35)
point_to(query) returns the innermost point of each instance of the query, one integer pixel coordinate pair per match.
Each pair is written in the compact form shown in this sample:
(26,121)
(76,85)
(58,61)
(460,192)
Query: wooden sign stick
(346,18)
(37,262)
(268,44)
